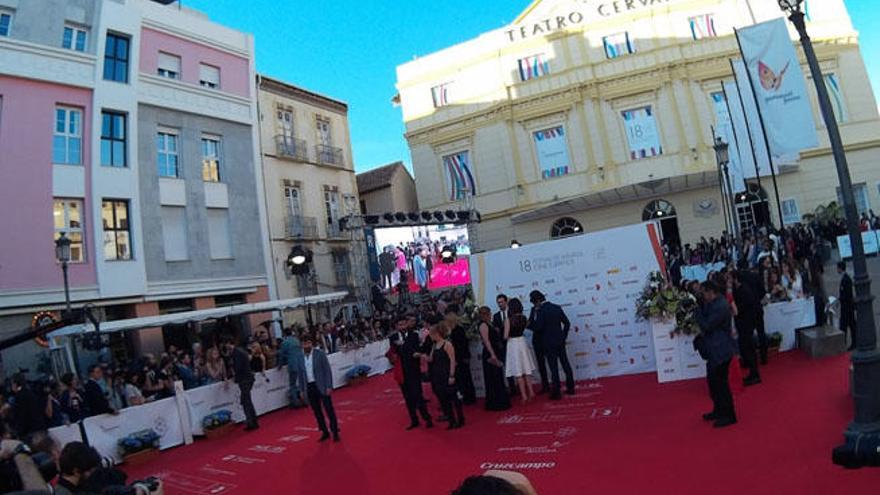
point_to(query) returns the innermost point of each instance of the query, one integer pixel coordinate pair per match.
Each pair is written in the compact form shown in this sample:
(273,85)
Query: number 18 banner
(780,88)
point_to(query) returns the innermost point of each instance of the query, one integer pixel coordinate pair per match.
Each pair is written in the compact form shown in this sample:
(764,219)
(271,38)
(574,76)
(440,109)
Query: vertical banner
(641,133)
(740,128)
(752,119)
(724,129)
(459,176)
(780,88)
(552,150)
(596,278)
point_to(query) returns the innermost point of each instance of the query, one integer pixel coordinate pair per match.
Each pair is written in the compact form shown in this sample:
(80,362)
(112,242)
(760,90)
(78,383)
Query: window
(832,82)
(174,233)
(5,22)
(341,267)
(533,67)
(351,204)
(67,138)
(790,211)
(331,206)
(218,233)
(68,215)
(641,133)
(324,136)
(169,65)
(113,139)
(440,94)
(285,122)
(74,38)
(166,153)
(457,167)
(551,148)
(703,26)
(617,45)
(209,76)
(116,58)
(860,192)
(291,197)
(210,159)
(117,229)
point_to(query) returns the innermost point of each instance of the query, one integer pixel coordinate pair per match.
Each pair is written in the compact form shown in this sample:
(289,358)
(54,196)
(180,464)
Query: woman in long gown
(442,372)
(497,398)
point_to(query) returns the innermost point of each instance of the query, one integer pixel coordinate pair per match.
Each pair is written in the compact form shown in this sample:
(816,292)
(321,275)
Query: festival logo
(769,79)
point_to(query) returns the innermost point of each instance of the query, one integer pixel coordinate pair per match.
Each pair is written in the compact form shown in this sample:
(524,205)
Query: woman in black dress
(497,397)
(442,369)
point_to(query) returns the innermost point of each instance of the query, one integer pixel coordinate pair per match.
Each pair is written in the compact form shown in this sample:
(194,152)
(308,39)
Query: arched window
(565,227)
(658,210)
(752,207)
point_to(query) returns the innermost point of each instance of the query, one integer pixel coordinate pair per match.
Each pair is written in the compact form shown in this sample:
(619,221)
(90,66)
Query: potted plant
(357,374)
(774,342)
(217,424)
(139,447)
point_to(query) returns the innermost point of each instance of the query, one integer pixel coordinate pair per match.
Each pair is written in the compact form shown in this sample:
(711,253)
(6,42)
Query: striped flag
(533,67)
(703,26)
(836,94)
(440,94)
(617,45)
(458,173)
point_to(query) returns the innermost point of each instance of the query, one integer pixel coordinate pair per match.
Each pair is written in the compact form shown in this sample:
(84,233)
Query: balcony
(334,232)
(291,147)
(329,155)
(300,227)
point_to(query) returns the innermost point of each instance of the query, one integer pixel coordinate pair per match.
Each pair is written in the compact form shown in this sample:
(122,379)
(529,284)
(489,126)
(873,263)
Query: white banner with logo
(596,278)
(162,416)
(676,358)
(210,399)
(750,122)
(641,133)
(787,317)
(870,242)
(552,150)
(780,88)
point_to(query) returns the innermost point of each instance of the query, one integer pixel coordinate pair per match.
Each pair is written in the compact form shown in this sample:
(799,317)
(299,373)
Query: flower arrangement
(661,300)
(357,371)
(217,419)
(138,442)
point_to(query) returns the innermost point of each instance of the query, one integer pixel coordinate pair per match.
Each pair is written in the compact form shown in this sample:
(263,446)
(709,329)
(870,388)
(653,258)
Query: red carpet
(446,275)
(631,436)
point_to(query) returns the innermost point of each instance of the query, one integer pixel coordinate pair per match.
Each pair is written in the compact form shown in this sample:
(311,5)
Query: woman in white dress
(520,362)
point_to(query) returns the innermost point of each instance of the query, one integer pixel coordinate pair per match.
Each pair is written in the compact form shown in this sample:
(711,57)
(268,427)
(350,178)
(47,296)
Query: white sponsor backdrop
(177,418)
(869,241)
(596,278)
(787,317)
(676,358)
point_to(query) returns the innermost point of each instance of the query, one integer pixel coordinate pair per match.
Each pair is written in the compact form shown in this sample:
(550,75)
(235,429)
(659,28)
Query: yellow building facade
(310,185)
(528,123)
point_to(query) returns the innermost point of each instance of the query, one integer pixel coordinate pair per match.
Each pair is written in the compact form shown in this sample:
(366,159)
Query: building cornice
(286,90)
(196,38)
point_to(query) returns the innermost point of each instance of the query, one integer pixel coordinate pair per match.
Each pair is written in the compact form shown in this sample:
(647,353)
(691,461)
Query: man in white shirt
(319,385)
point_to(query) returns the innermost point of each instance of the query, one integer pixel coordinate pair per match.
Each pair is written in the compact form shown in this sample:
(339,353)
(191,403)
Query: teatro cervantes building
(586,115)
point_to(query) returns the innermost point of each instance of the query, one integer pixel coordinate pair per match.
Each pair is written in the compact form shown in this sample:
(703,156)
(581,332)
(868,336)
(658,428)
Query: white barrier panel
(162,416)
(869,239)
(340,363)
(272,394)
(700,272)
(676,358)
(65,434)
(209,399)
(787,317)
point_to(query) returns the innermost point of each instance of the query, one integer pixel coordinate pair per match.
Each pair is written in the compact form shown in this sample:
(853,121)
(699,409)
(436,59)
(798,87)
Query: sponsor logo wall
(596,278)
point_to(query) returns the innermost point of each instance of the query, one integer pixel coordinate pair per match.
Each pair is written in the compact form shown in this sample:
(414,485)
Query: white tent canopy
(198,315)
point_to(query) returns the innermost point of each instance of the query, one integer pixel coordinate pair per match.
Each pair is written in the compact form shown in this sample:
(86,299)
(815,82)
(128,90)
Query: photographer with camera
(83,471)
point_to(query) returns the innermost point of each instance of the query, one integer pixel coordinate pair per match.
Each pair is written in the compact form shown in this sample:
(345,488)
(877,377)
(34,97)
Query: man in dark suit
(386,268)
(95,398)
(847,305)
(747,304)
(29,409)
(319,376)
(498,320)
(244,378)
(538,347)
(717,347)
(552,326)
(754,281)
(405,342)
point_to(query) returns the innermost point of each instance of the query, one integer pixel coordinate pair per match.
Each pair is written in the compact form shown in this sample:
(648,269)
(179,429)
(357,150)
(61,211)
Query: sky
(350,49)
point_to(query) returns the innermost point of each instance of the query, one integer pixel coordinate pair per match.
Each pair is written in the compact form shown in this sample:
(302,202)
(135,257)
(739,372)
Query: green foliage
(662,301)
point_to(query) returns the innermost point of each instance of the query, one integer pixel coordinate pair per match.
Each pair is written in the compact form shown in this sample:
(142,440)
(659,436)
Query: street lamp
(862,435)
(447,254)
(514,244)
(298,262)
(62,254)
(722,156)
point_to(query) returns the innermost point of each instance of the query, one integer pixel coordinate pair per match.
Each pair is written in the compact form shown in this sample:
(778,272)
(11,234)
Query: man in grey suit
(319,379)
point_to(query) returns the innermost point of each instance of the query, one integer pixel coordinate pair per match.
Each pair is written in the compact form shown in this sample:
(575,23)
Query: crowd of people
(414,261)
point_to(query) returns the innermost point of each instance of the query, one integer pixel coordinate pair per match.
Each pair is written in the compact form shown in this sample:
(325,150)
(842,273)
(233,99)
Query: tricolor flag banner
(780,88)
(751,121)
(703,26)
(552,150)
(641,133)
(459,176)
(440,94)
(533,67)
(836,94)
(724,130)
(617,45)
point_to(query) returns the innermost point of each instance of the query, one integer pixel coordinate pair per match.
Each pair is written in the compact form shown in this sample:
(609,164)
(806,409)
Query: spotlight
(514,244)
(447,254)
(438,215)
(659,213)
(371,219)
(464,216)
(414,217)
(426,216)
(400,217)
(389,217)
(450,214)
(298,260)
